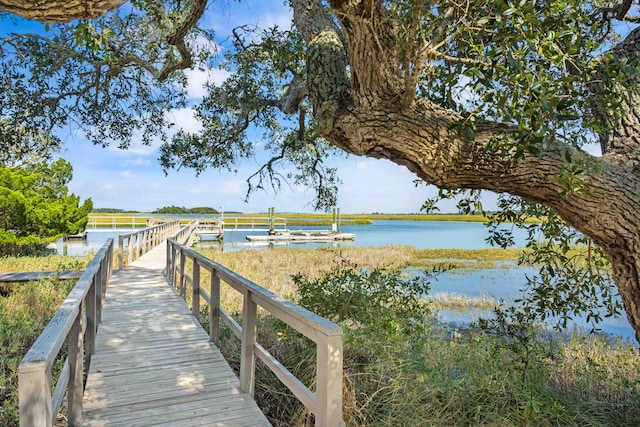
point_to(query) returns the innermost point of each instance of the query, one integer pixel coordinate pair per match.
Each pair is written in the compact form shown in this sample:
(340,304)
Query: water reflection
(505,283)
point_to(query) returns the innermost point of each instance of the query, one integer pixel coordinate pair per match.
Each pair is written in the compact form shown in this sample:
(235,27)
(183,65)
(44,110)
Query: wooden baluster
(183,279)
(195,290)
(76,357)
(214,308)
(120,252)
(92,301)
(248,342)
(130,250)
(329,381)
(34,391)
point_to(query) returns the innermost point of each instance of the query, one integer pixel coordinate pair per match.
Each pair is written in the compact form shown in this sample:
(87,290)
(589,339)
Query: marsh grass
(44,263)
(435,375)
(25,309)
(23,315)
(461,303)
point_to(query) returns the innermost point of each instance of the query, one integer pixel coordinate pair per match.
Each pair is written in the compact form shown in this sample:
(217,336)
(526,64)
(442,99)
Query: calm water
(500,283)
(421,234)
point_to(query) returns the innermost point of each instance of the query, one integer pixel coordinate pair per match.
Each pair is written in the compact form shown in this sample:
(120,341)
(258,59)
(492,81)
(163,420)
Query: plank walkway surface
(154,364)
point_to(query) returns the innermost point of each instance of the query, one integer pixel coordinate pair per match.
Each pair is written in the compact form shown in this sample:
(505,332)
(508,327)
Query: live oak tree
(482,95)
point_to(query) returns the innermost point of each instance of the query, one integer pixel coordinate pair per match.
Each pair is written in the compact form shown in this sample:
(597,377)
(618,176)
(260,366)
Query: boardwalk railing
(75,322)
(326,403)
(100,222)
(137,243)
(254,224)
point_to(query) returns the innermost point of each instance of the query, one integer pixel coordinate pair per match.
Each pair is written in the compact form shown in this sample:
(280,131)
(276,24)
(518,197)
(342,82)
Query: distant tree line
(182,210)
(112,210)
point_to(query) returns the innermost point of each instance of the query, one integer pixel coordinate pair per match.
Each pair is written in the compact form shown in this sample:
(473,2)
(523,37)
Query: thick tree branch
(361,115)
(59,10)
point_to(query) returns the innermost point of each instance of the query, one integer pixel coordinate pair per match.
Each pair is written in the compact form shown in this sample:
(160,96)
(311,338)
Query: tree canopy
(486,95)
(36,207)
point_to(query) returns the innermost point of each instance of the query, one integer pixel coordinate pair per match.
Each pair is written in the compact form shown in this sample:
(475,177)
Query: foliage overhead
(113,78)
(267,69)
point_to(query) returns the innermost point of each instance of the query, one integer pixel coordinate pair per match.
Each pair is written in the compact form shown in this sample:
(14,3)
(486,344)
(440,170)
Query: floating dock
(80,236)
(210,229)
(303,236)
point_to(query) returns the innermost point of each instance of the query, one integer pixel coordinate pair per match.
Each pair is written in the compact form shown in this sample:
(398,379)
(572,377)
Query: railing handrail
(141,241)
(326,403)
(37,405)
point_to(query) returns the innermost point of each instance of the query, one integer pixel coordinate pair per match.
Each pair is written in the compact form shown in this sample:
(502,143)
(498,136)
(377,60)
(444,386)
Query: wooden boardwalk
(154,364)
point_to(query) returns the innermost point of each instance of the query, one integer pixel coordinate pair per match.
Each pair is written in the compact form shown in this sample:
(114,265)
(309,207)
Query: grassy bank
(274,268)
(25,310)
(23,315)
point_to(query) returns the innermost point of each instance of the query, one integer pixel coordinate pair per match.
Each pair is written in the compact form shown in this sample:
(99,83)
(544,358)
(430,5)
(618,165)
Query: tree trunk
(59,10)
(364,115)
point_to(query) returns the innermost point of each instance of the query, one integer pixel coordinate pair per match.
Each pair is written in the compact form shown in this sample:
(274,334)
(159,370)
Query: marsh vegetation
(401,366)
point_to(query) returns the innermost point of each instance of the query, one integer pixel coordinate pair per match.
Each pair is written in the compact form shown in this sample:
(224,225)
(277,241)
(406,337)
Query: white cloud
(139,161)
(217,76)
(135,147)
(109,189)
(362,165)
(183,118)
(198,79)
(128,174)
(232,187)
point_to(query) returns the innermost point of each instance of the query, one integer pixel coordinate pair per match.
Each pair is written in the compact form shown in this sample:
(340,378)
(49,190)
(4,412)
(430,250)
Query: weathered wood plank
(154,365)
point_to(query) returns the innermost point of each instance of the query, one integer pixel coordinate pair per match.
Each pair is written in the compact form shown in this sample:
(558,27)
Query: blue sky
(133,178)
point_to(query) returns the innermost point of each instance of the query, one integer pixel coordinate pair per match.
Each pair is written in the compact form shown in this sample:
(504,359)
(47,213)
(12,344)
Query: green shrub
(366,299)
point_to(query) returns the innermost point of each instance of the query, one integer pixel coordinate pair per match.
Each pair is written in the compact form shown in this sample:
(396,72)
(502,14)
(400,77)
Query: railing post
(76,357)
(174,266)
(195,291)
(329,382)
(130,250)
(105,280)
(183,279)
(94,294)
(247,351)
(214,308)
(34,395)
(168,261)
(101,290)
(120,252)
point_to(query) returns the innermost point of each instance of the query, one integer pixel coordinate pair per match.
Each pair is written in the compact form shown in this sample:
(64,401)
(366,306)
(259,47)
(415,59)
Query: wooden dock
(209,228)
(302,236)
(154,364)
